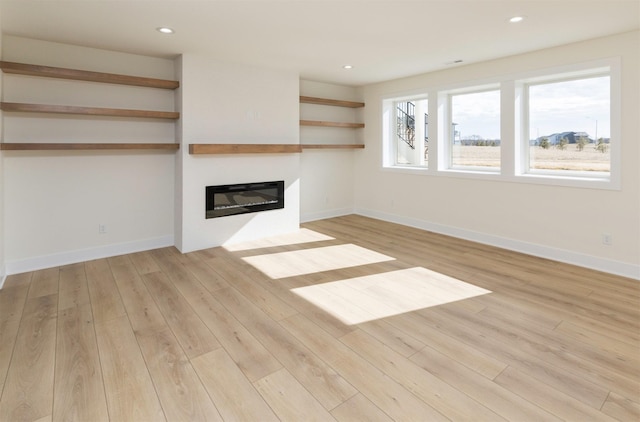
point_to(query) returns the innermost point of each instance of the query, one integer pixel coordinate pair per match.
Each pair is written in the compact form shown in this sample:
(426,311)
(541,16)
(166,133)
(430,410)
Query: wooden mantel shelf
(30,146)
(332,146)
(91,111)
(331,124)
(84,75)
(329,102)
(197,149)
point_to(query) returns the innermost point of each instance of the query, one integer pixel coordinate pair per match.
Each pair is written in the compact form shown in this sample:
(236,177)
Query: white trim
(3,271)
(390,139)
(561,255)
(321,215)
(408,170)
(81,255)
(611,68)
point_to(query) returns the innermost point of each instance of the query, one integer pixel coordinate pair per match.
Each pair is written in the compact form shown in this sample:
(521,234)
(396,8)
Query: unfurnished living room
(296,210)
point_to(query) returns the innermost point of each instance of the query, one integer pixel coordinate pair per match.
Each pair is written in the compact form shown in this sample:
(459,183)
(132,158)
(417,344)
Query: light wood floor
(159,335)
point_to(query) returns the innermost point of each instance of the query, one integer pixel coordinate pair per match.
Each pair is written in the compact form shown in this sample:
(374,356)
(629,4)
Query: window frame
(449,139)
(525,168)
(513,128)
(390,144)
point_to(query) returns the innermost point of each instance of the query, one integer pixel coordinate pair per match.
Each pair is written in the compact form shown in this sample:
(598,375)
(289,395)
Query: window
(550,126)
(408,132)
(569,127)
(475,130)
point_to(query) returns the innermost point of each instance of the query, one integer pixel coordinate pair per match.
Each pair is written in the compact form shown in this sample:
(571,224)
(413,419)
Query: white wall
(560,223)
(326,175)
(231,103)
(2,237)
(54,201)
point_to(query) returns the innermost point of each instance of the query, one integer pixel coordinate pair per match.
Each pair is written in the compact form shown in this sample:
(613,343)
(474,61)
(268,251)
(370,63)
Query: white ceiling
(382,39)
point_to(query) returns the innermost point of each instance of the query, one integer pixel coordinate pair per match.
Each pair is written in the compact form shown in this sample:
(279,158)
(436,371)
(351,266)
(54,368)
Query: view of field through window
(568,121)
(569,125)
(475,130)
(565,126)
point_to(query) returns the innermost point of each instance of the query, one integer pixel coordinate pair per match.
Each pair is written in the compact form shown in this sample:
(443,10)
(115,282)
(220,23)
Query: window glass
(475,130)
(569,126)
(411,135)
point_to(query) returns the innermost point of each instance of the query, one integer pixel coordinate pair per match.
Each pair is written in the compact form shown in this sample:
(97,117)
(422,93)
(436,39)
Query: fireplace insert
(243,198)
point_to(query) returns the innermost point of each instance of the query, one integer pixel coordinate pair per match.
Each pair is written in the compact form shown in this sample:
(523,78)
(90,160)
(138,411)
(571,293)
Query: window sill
(584,182)
(568,181)
(406,169)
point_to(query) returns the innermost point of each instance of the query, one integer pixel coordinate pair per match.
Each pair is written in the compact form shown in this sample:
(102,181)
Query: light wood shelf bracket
(89,111)
(84,75)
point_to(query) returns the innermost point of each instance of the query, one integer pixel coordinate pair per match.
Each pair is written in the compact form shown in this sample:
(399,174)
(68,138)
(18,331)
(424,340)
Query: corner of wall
(178,201)
(467,207)
(3,270)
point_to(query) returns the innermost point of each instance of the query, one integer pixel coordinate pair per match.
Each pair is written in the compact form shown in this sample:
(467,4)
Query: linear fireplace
(243,198)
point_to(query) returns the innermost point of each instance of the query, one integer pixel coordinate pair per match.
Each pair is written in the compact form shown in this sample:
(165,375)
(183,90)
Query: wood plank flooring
(353,320)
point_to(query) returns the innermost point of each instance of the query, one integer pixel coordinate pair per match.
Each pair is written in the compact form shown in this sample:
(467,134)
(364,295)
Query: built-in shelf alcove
(90,76)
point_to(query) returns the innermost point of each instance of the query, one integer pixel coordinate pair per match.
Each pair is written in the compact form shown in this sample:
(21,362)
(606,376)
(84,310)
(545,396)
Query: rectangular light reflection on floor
(377,296)
(308,261)
(294,238)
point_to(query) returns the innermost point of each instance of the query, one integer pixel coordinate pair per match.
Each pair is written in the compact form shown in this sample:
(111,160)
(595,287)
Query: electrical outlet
(607,239)
(102,228)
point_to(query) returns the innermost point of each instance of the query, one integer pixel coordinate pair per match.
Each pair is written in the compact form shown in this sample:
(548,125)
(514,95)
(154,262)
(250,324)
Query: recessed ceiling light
(165,30)
(516,19)
(347,66)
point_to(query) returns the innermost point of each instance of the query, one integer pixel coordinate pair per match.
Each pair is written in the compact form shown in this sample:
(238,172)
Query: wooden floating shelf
(90,111)
(332,146)
(84,75)
(331,124)
(329,102)
(28,146)
(197,149)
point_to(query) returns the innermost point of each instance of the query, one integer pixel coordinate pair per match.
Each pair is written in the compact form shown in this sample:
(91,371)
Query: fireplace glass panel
(225,200)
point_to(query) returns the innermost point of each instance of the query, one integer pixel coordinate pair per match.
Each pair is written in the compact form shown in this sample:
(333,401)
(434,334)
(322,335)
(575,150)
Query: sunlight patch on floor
(308,261)
(368,298)
(295,238)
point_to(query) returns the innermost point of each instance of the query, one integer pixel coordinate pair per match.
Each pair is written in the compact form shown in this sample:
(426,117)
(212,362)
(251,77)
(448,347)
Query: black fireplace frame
(222,200)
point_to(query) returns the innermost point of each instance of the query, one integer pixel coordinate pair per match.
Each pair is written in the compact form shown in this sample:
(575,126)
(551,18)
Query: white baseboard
(321,215)
(72,257)
(588,261)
